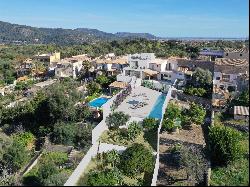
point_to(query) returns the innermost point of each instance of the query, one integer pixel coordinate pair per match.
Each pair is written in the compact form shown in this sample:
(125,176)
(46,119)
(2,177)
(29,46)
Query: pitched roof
(118,84)
(231,66)
(150,72)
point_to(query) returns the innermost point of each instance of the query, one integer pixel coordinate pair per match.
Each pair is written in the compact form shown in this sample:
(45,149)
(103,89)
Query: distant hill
(14,33)
(135,35)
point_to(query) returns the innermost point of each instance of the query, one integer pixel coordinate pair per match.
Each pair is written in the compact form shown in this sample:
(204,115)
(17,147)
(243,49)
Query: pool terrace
(139,95)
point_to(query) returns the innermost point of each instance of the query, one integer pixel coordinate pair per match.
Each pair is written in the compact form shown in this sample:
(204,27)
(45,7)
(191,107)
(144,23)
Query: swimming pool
(156,112)
(98,102)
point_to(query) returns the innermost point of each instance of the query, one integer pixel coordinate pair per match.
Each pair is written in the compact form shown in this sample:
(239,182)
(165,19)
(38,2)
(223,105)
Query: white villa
(147,67)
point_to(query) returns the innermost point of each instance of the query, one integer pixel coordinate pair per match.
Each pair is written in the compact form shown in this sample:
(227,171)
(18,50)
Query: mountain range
(14,33)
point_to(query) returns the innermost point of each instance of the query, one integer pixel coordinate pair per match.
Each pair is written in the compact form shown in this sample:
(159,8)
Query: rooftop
(118,84)
(233,62)
(232,50)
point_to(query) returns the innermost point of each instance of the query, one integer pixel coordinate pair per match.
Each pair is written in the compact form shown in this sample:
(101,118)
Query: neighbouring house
(212,54)
(229,73)
(69,67)
(241,112)
(236,53)
(25,68)
(49,60)
(111,65)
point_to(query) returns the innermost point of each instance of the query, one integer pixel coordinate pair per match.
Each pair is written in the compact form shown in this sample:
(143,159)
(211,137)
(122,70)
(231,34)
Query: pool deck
(150,97)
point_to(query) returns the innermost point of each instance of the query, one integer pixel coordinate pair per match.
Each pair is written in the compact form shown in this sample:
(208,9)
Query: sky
(163,18)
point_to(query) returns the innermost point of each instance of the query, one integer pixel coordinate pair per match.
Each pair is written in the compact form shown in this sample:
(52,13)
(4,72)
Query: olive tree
(116,119)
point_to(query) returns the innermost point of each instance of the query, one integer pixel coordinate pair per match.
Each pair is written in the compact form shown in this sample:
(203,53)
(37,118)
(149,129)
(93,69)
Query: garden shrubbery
(224,144)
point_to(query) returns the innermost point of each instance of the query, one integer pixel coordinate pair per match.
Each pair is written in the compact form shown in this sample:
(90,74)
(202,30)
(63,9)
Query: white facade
(163,69)
(140,61)
(68,68)
(224,81)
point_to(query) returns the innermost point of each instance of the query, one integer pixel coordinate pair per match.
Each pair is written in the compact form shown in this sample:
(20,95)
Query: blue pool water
(98,102)
(156,112)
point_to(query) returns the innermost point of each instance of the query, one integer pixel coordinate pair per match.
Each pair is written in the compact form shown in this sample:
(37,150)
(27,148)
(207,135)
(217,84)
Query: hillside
(14,33)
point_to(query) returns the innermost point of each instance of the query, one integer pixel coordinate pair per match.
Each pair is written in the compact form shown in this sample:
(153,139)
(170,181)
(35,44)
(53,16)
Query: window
(226,78)
(226,54)
(240,54)
(217,78)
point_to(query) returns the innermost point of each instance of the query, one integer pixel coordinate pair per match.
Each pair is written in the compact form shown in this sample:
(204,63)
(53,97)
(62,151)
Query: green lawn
(148,139)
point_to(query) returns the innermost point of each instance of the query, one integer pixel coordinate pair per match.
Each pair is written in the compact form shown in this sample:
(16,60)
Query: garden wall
(157,162)
(75,176)
(96,148)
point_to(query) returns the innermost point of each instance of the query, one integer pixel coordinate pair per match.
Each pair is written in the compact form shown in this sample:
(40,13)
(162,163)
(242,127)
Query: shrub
(83,136)
(16,156)
(111,158)
(48,169)
(168,125)
(136,160)
(150,123)
(27,139)
(195,91)
(196,114)
(116,119)
(93,87)
(224,144)
(64,133)
(134,130)
(108,177)
(193,161)
(57,179)
(173,111)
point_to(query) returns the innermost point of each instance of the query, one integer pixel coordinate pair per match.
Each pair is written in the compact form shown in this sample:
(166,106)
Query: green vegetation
(116,119)
(112,168)
(7,72)
(200,92)
(108,177)
(224,145)
(194,115)
(49,170)
(236,173)
(193,161)
(93,88)
(134,130)
(241,100)
(120,137)
(150,124)
(77,135)
(137,160)
(202,77)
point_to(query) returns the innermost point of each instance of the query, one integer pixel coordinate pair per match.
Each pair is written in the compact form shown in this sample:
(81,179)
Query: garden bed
(53,168)
(147,138)
(115,163)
